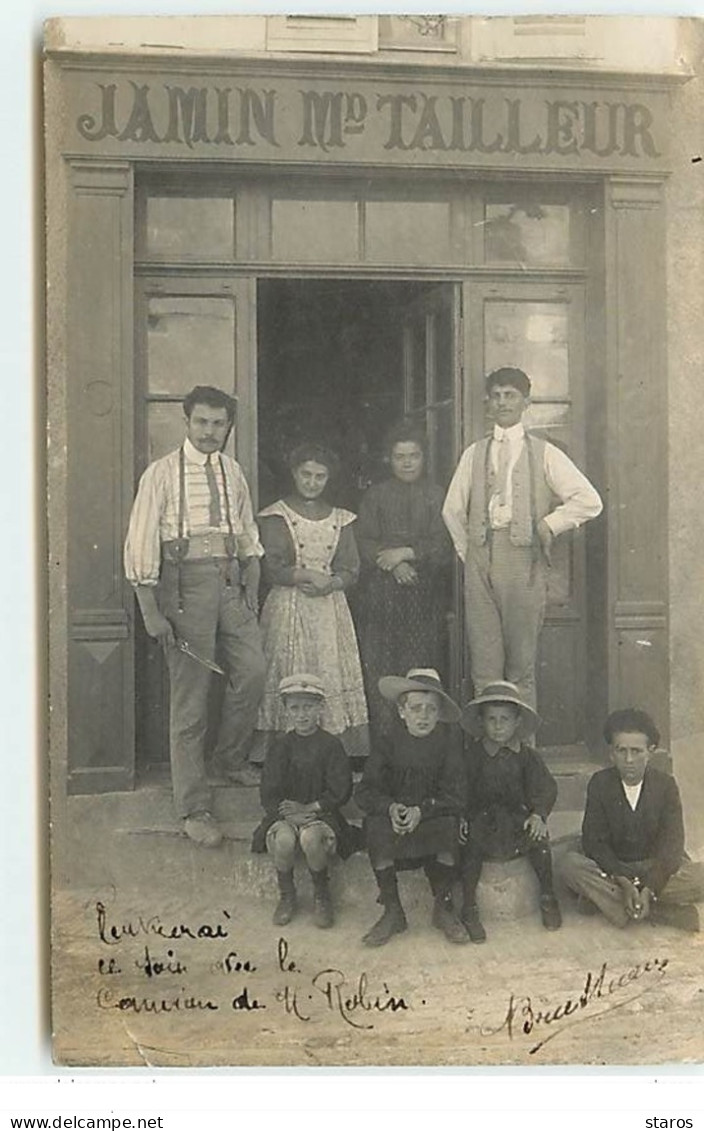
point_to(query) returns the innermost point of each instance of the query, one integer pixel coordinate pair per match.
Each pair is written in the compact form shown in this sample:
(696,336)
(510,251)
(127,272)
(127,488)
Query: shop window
(530,234)
(534,337)
(315,231)
(181,331)
(418,33)
(356,34)
(408,231)
(183,227)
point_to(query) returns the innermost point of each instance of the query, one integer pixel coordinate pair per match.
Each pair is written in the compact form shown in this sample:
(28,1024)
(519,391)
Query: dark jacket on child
(307,768)
(613,833)
(505,784)
(426,772)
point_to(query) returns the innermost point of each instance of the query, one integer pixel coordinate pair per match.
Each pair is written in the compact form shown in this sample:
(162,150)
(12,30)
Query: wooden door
(189,332)
(540,329)
(432,369)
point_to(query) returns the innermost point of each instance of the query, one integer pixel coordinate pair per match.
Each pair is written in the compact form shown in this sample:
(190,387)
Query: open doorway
(339,361)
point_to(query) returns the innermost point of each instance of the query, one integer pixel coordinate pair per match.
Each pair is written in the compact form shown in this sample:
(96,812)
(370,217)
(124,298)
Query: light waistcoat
(532,497)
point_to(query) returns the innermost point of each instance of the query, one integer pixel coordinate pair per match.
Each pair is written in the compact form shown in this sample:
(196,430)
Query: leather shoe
(445,920)
(392,922)
(203,829)
(285,909)
(474,925)
(684,916)
(550,913)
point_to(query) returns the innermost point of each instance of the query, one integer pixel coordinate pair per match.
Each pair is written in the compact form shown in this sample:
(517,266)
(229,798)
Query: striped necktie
(502,469)
(215,512)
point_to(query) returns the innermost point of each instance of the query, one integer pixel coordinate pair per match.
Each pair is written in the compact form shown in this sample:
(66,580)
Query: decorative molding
(101,178)
(100,625)
(635,192)
(640,616)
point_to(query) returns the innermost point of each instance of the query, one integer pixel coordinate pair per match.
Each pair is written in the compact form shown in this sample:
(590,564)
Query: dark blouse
(305,768)
(395,514)
(424,771)
(517,781)
(613,834)
(280,555)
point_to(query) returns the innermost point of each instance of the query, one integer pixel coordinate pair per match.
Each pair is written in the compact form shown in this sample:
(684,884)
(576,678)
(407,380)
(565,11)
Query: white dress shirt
(632,793)
(578,500)
(155,512)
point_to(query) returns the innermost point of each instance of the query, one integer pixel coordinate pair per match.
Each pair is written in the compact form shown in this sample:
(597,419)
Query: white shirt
(578,499)
(155,512)
(632,793)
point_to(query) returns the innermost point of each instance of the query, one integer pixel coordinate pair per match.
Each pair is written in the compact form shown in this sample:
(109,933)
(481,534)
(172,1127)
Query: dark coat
(502,791)
(426,772)
(308,768)
(614,835)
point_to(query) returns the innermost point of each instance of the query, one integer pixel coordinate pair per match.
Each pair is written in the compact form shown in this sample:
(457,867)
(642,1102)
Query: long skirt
(316,635)
(400,627)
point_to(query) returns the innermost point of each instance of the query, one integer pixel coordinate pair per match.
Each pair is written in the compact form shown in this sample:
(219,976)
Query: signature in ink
(523,1018)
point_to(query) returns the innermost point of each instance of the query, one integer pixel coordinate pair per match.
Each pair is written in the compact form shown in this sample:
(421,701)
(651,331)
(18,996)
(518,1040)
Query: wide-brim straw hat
(303,683)
(421,679)
(501,691)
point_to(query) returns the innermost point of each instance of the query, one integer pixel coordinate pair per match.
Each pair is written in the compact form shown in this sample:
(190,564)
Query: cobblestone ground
(164,954)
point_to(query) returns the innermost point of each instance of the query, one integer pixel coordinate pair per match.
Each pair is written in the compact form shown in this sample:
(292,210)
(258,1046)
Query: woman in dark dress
(402,601)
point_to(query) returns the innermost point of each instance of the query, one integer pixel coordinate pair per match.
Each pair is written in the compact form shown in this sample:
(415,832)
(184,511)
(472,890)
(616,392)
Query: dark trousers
(214,610)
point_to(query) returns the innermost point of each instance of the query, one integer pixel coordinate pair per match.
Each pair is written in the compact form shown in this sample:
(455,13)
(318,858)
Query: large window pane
(533,336)
(190,227)
(315,231)
(536,235)
(190,341)
(408,231)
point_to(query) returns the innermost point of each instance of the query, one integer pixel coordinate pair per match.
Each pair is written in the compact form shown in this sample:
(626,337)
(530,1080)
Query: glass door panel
(540,329)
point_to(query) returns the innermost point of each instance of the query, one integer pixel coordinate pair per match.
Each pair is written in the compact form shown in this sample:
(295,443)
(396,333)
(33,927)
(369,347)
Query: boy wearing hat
(305,781)
(411,794)
(634,865)
(510,793)
(501,514)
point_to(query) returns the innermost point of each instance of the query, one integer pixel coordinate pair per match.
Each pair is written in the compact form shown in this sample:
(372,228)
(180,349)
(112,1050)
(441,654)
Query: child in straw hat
(412,793)
(305,782)
(510,793)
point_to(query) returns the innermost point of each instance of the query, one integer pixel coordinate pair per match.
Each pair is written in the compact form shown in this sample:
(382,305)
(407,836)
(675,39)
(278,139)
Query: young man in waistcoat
(192,554)
(510,497)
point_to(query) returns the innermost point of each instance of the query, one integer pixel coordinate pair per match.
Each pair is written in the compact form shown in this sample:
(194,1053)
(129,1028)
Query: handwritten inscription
(149,948)
(524,1018)
(329,120)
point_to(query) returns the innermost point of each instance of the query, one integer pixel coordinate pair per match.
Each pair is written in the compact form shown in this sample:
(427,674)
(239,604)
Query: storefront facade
(341,232)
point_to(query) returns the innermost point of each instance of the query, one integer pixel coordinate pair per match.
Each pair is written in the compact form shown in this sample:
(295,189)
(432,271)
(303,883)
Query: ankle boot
(440,877)
(393,921)
(474,925)
(322,903)
(286,907)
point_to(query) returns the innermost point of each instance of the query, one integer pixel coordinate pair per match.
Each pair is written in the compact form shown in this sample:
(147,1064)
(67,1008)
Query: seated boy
(305,781)
(510,793)
(633,865)
(411,793)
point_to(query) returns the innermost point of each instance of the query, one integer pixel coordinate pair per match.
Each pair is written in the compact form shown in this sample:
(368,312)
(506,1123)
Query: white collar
(193,455)
(513,434)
